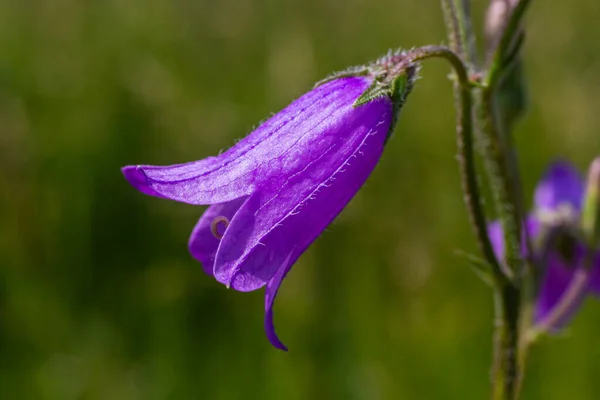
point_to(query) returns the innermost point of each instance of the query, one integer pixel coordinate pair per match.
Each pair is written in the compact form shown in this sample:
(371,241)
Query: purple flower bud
(512,95)
(496,17)
(558,202)
(276,190)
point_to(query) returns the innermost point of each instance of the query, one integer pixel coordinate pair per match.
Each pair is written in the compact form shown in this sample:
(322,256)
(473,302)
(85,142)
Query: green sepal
(480,267)
(393,90)
(393,77)
(590,215)
(360,70)
(396,85)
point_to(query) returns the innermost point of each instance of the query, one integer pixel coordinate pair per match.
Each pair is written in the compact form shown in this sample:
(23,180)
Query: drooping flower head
(558,202)
(276,190)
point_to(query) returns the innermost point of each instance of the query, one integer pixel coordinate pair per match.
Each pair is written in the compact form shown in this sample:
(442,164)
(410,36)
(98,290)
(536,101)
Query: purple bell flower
(558,202)
(275,191)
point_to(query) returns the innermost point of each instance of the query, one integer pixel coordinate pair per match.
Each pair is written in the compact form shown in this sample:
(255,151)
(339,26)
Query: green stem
(459,28)
(466,159)
(502,171)
(500,163)
(507,369)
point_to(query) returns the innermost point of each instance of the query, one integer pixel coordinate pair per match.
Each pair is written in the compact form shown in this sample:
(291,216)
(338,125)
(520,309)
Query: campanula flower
(558,202)
(275,191)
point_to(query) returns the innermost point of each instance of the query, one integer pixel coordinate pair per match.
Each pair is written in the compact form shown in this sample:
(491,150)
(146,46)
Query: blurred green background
(99,298)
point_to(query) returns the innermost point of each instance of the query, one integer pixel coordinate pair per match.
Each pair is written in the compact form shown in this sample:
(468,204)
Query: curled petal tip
(270,331)
(136,176)
(278,345)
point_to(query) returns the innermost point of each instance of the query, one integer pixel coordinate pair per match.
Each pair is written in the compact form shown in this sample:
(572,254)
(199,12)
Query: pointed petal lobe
(270,294)
(272,147)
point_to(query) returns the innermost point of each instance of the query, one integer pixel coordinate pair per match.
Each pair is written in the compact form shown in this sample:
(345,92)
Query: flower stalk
(507,370)
(465,145)
(494,122)
(502,171)
(457,17)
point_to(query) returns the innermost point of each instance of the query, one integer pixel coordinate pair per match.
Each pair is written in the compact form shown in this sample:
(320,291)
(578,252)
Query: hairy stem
(466,159)
(507,370)
(502,170)
(459,28)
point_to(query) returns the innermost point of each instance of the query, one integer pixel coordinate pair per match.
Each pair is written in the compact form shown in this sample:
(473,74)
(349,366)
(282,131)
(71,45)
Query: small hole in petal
(218,226)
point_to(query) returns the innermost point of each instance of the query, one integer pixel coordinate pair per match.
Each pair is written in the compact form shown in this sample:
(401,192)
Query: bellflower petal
(595,277)
(271,146)
(269,217)
(207,181)
(308,219)
(496,235)
(204,239)
(561,184)
(556,277)
(270,294)
(556,280)
(275,191)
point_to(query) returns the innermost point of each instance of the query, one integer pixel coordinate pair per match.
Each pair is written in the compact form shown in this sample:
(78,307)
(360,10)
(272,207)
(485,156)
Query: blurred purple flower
(558,201)
(275,191)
